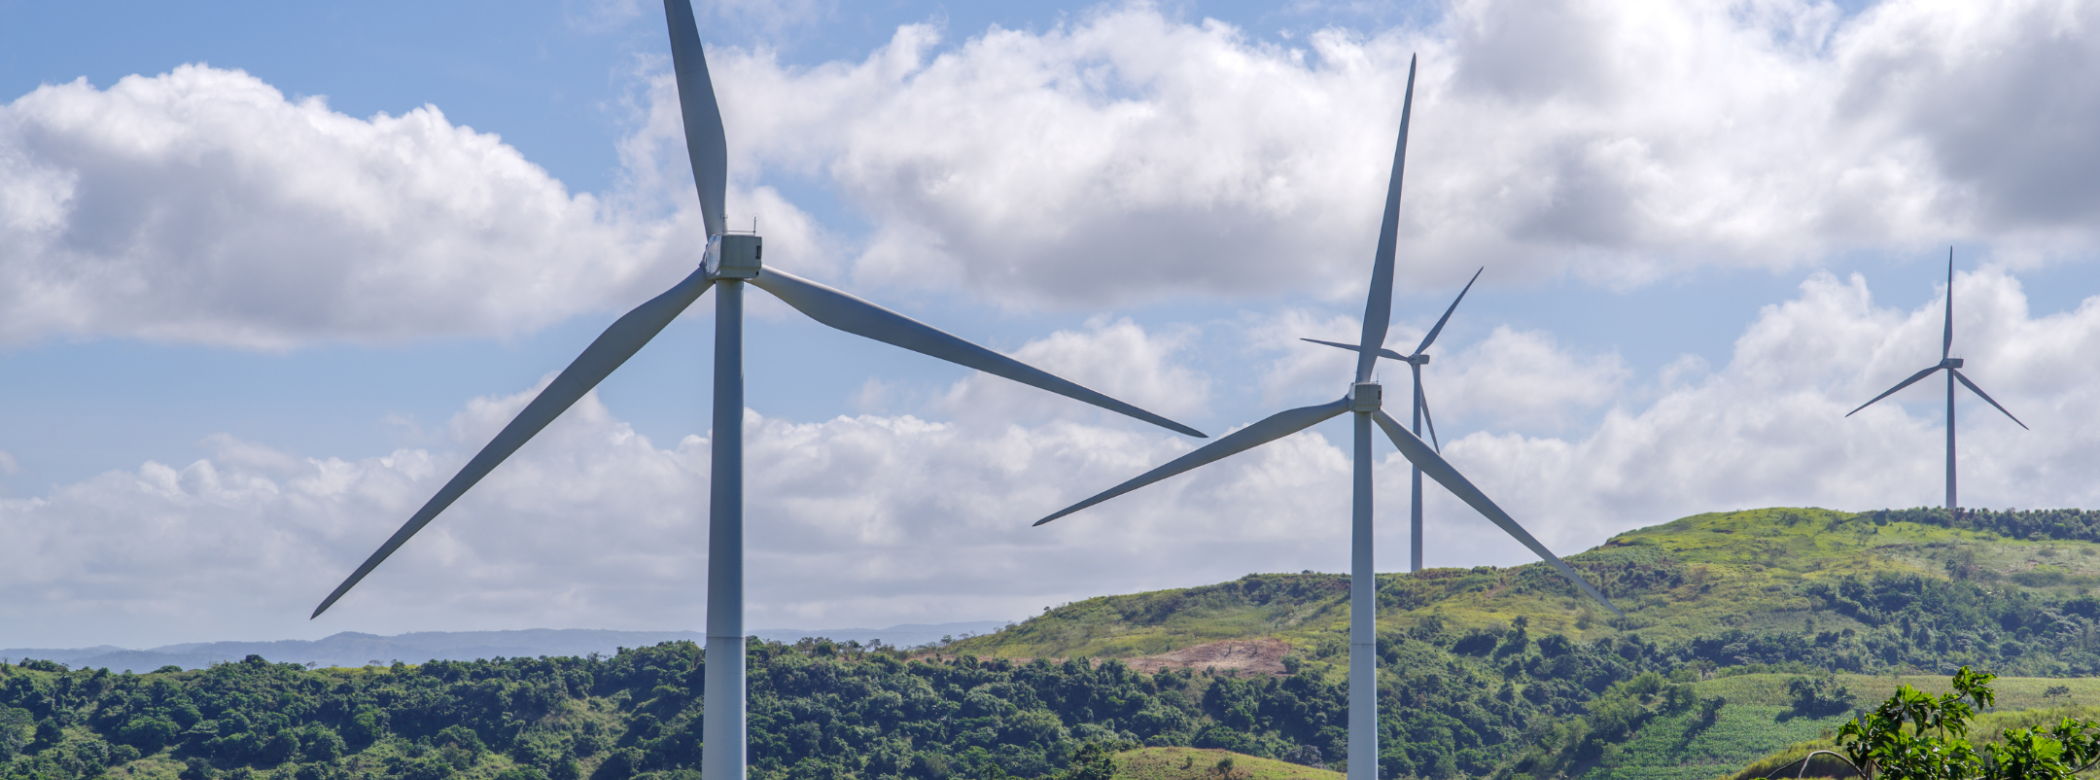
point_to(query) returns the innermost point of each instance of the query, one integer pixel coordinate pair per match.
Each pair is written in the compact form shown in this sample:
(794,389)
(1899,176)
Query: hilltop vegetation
(1720,607)
(1909,589)
(1745,632)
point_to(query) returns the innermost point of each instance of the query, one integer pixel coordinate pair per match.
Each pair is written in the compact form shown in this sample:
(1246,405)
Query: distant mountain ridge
(351,648)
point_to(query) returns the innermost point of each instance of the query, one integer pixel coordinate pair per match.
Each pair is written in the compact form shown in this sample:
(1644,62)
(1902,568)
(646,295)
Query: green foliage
(2031,524)
(1917,736)
(1182,763)
(1568,748)
(1814,696)
(1746,632)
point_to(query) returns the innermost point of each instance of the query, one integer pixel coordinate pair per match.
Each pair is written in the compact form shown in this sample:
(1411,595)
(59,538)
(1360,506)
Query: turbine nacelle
(735,256)
(1365,397)
(1950,363)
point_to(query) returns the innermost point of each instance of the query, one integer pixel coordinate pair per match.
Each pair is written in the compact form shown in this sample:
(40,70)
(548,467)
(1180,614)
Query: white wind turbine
(1415,362)
(1363,401)
(1952,365)
(731,260)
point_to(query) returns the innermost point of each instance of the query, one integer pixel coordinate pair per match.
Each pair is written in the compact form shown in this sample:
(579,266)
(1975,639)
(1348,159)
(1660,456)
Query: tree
(16,728)
(1916,736)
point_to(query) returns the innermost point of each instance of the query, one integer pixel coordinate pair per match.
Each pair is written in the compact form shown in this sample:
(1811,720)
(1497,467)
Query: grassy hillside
(1752,571)
(1746,633)
(1182,763)
(1729,606)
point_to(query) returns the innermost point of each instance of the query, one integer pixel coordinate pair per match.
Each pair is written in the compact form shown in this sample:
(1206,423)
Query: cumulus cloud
(855,520)
(1129,155)
(894,518)
(1512,378)
(1126,155)
(1118,358)
(203,206)
(1769,428)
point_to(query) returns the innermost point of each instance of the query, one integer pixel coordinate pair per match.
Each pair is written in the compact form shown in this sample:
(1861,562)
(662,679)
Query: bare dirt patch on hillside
(1264,656)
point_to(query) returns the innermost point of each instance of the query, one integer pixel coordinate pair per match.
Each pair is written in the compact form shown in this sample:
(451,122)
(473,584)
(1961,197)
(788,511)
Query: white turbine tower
(1363,401)
(1415,362)
(1952,365)
(731,260)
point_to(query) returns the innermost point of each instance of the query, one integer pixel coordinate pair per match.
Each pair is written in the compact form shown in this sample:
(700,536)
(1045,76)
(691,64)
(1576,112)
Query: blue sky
(250,332)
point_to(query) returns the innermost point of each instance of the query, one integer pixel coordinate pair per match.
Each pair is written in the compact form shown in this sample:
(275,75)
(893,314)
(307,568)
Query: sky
(270,273)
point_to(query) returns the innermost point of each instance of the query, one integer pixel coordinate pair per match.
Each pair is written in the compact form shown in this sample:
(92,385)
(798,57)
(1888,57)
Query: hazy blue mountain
(355,649)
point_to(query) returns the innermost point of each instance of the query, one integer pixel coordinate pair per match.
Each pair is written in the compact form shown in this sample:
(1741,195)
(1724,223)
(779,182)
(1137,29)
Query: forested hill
(1852,592)
(1744,631)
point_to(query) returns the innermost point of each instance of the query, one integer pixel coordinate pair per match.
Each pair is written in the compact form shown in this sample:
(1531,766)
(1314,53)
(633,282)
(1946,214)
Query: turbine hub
(735,256)
(1951,363)
(1365,397)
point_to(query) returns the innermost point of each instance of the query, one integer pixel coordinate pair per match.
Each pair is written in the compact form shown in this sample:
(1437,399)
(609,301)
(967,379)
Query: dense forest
(1458,697)
(817,710)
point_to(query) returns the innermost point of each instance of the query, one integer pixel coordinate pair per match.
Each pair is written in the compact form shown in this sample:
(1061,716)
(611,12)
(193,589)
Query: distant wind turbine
(731,259)
(1415,362)
(1363,400)
(1952,365)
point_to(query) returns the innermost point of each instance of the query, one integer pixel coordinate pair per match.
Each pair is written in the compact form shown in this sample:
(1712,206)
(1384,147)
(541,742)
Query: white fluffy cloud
(867,520)
(1769,428)
(1128,155)
(1117,358)
(203,206)
(884,519)
(1511,378)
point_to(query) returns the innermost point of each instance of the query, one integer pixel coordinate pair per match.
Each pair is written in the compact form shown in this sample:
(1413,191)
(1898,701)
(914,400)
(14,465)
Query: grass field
(1692,576)
(1181,763)
(1672,748)
(2014,693)
(1753,571)
(1757,728)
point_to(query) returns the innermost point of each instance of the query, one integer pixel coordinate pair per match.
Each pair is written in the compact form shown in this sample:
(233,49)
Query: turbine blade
(612,348)
(1422,399)
(1431,338)
(1382,351)
(1947,339)
(853,315)
(1435,467)
(1275,426)
(1378,308)
(705,144)
(1899,385)
(1987,397)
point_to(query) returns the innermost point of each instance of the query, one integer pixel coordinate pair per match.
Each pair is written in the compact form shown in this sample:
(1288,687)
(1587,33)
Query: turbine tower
(1415,362)
(1952,365)
(731,261)
(1363,402)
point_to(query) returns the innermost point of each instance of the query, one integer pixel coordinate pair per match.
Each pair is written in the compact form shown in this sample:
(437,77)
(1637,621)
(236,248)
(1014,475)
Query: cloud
(1511,378)
(202,206)
(1129,156)
(856,520)
(1118,358)
(1123,156)
(877,519)
(1769,428)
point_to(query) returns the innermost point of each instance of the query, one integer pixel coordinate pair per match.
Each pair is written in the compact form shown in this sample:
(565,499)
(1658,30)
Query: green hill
(1792,572)
(1747,634)
(1734,605)
(1181,763)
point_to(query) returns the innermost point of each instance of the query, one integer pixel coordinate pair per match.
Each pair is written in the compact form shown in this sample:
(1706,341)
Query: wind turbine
(731,260)
(1415,362)
(1953,367)
(1363,401)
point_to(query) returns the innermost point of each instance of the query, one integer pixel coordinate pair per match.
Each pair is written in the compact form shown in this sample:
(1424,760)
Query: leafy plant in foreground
(1917,736)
